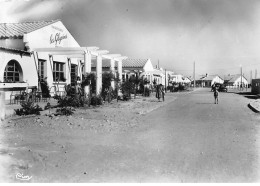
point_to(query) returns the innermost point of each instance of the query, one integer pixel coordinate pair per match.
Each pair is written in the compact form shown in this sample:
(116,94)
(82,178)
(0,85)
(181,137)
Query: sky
(219,36)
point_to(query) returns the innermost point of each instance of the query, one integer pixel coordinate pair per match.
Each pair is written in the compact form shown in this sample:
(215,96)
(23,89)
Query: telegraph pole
(251,76)
(241,77)
(255,73)
(194,75)
(165,82)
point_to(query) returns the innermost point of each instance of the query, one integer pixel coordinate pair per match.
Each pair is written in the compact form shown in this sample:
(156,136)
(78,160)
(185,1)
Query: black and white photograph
(129,91)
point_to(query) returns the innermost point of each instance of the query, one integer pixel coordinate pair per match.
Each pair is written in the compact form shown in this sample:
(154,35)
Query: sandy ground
(5,160)
(53,148)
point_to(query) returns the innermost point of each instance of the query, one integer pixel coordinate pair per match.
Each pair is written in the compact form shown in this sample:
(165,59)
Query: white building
(177,78)
(235,81)
(155,75)
(20,66)
(209,80)
(187,80)
(46,49)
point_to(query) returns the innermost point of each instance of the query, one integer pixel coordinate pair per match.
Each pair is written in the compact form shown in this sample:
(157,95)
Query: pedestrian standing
(216,95)
(162,91)
(158,92)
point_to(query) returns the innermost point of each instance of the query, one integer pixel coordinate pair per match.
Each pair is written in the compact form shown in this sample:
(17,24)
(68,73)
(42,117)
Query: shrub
(47,106)
(45,89)
(57,97)
(128,88)
(28,107)
(67,111)
(68,101)
(96,100)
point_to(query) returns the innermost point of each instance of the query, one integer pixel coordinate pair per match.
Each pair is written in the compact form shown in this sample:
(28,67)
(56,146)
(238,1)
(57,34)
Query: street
(190,139)
(194,140)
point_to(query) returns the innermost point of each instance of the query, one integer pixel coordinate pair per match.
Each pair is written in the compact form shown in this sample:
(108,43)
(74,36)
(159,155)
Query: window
(42,69)
(74,74)
(13,72)
(123,77)
(58,72)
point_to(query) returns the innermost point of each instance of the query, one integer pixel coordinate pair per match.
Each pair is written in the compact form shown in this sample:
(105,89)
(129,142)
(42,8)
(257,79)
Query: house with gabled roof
(130,67)
(209,80)
(235,81)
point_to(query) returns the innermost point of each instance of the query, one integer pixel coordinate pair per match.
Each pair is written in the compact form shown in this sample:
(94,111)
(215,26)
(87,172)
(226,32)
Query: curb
(253,108)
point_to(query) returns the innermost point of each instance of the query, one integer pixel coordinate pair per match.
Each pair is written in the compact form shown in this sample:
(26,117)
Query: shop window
(58,72)
(42,66)
(13,72)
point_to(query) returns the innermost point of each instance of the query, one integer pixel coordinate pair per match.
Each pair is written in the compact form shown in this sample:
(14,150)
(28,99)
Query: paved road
(194,140)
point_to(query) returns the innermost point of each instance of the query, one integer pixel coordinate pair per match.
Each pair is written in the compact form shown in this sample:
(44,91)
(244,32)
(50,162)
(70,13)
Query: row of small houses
(231,81)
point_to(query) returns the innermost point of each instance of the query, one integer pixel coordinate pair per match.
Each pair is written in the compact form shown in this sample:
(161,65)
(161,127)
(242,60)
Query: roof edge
(15,50)
(51,22)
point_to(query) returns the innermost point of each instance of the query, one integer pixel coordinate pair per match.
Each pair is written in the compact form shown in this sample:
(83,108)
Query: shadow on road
(248,95)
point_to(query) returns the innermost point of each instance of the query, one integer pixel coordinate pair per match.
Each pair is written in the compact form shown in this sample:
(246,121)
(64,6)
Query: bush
(70,101)
(96,100)
(128,88)
(45,89)
(28,107)
(67,111)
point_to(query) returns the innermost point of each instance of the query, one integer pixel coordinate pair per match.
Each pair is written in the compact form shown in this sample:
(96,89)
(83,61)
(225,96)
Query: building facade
(255,86)
(236,81)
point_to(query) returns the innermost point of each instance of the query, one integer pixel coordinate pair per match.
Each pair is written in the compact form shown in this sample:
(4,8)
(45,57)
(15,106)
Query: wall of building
(217,79)
(54,35)
(51,36)
(255,86)
(148,66)
(29,73)
(237,82)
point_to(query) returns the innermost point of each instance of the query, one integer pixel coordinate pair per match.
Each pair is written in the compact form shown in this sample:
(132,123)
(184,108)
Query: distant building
(255,86)
(135,67)
(177,78)
(235,81)
(187,80)
(209,80)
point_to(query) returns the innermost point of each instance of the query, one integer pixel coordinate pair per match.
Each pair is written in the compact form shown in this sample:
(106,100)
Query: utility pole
(255,73)
(251,76)
(194,85)
(158,64)
(165,82)
(241,76)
